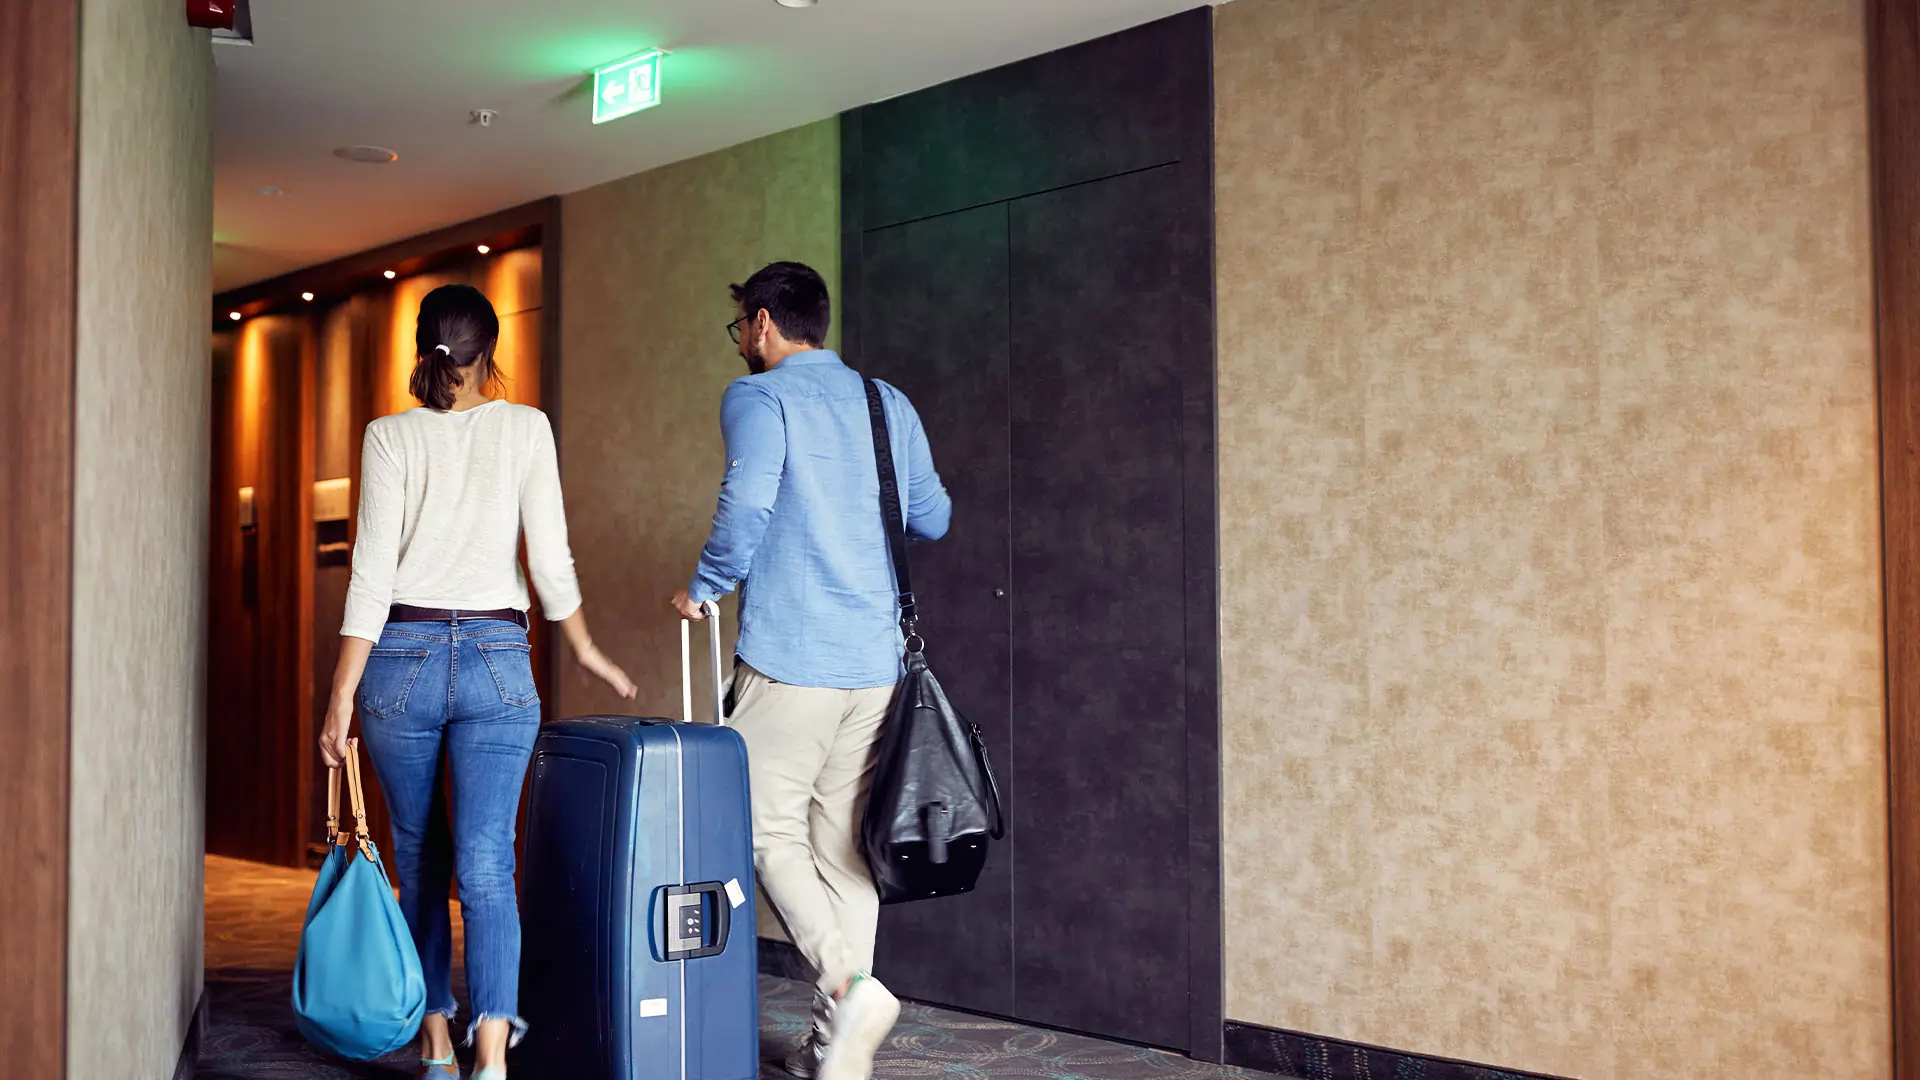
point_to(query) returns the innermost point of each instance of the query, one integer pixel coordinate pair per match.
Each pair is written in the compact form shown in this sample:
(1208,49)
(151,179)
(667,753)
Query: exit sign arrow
(626,87)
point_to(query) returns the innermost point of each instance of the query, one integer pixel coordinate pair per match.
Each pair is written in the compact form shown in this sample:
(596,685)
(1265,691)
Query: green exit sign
(627,87)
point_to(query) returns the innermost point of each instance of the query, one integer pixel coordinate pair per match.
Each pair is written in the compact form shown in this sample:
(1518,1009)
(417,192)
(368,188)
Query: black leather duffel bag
(934,806)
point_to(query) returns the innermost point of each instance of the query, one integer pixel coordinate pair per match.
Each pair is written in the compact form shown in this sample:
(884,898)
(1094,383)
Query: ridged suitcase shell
(623,809)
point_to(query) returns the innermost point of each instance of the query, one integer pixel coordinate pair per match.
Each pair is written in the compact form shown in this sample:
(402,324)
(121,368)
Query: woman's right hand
(595,663)
(333,736)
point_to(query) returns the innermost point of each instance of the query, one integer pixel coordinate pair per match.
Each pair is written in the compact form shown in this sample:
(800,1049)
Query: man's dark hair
(794,295)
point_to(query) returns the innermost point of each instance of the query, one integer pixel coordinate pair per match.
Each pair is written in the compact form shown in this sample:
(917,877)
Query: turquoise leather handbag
(357,987)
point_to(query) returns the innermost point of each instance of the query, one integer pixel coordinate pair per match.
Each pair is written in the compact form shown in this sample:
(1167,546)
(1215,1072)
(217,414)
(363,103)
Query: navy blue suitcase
(638,941)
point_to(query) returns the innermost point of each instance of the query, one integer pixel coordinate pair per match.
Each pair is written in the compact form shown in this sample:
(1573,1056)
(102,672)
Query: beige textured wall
(140,536)
(646,262)
(1552,660)
(645,266)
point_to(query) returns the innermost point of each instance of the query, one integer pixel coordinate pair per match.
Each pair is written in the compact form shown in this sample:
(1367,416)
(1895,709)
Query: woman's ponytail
(456,330)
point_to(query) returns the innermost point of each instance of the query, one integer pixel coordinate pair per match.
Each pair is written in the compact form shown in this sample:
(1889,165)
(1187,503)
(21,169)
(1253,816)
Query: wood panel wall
(39,115)
(259,724)
(1893,43)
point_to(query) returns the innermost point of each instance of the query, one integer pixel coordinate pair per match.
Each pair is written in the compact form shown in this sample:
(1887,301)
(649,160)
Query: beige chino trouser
(810,753)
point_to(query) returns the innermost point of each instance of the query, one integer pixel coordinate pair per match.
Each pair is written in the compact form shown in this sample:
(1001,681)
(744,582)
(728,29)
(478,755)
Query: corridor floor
(253,927)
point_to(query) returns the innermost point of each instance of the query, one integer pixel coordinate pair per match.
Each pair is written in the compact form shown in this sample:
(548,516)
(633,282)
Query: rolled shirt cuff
(561,611)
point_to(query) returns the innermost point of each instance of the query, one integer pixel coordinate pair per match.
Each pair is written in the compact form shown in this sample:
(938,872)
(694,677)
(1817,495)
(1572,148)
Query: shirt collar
(809,358)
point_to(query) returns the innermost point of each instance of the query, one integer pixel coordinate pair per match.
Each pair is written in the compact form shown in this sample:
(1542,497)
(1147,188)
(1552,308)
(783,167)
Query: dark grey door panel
(934,324)
(1100,732)
(1028,253)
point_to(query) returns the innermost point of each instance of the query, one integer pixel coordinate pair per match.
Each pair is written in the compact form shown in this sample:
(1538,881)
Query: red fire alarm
(210,14)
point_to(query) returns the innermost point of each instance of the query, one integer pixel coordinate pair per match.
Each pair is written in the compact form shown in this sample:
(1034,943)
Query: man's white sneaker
(862,1019)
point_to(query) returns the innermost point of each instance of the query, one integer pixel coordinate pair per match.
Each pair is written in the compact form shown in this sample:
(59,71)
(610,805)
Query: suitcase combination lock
(695,920)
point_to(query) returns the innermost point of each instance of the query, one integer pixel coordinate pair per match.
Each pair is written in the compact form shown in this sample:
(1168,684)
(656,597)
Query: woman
(435,654)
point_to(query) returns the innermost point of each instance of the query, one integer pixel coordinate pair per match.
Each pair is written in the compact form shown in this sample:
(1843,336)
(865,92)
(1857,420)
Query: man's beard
(756,364)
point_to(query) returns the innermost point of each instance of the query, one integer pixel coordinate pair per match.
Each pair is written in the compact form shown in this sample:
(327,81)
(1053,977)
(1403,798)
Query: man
(799,531)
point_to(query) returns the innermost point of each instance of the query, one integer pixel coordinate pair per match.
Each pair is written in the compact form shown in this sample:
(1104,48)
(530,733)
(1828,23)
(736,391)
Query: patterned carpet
(253,928)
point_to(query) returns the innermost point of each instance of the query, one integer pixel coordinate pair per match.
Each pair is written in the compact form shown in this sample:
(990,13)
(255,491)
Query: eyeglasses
(734,327)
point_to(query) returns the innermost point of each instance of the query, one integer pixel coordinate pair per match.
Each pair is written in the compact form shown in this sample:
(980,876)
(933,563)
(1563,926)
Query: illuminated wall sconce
(332,507)
(249,553)
(331,499)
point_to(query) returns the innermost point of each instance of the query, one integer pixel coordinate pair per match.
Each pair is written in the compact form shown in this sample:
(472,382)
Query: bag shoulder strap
(890,512)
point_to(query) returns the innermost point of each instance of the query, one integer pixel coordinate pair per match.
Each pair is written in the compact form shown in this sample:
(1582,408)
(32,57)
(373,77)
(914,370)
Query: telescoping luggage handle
(699,916)
(686,665)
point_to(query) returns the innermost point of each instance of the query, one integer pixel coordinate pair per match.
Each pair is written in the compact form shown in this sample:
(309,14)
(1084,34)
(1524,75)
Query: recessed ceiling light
(367,155)
(484,249)
(389,275)
(268,190)
(234,315)
(796,3)
(307,296)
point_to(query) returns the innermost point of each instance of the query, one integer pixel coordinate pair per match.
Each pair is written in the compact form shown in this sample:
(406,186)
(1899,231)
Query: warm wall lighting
(307,296)
(389,275)
(234,315)
(484,249)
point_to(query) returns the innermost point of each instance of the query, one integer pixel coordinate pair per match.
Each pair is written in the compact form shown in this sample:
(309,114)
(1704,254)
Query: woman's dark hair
(794,295)
(457,329)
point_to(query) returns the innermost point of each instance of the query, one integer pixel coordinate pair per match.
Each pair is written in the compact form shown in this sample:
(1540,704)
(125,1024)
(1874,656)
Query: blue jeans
(466,689)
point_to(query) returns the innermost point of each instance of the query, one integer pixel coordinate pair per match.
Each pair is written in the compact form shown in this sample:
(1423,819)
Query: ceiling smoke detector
(482,117)
(367,155)
(796,3)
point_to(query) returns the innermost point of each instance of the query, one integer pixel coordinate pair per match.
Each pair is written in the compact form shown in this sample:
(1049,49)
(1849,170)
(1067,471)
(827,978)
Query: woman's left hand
(595,663)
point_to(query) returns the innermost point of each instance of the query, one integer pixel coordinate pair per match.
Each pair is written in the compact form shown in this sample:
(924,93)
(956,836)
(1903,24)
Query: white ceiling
(405,74)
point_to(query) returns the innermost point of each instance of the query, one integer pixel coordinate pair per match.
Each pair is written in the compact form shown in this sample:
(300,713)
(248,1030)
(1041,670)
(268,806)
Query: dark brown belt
(409,613)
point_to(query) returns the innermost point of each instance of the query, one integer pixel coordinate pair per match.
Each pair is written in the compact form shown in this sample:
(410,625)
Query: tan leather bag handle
(357,801)
(333,806)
